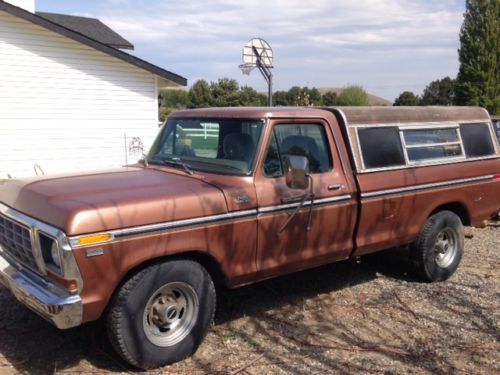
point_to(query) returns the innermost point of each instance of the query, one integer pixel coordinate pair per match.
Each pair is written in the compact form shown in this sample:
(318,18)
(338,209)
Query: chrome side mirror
(297,172)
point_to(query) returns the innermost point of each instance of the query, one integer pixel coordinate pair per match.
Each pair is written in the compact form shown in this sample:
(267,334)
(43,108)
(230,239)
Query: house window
(428,144)
(381,147)
(307,140)
(477,140)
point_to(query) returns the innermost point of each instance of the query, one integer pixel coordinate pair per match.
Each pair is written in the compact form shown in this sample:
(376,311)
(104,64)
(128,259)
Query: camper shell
(388,138)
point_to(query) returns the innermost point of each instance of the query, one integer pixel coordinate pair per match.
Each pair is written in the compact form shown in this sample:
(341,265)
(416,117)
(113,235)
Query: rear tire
(437,251)
(161,314)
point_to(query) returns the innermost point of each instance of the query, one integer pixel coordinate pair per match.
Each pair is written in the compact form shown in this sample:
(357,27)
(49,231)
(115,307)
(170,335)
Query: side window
(381,147)
(272,163)
(428,144)
(496,127)
(477,140)
(307,140)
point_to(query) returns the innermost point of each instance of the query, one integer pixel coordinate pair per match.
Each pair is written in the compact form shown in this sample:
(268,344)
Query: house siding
(65,106)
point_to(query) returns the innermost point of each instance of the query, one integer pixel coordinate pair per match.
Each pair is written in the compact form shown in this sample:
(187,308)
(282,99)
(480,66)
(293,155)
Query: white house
(70,98)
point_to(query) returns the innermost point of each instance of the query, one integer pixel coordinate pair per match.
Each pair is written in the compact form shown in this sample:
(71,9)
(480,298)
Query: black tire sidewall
(144,353)
(426,257)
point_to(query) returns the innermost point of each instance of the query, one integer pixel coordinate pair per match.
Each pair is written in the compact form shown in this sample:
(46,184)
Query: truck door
(285,244)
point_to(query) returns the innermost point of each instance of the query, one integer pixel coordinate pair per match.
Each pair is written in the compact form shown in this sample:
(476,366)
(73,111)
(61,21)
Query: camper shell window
(395,146)
(431,143)
(477,140)
(381,147)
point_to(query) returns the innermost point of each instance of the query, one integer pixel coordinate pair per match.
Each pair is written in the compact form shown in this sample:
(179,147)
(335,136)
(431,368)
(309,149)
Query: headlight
(50,252)
(55,255)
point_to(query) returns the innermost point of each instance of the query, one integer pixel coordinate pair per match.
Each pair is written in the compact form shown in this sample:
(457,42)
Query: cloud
(387,46)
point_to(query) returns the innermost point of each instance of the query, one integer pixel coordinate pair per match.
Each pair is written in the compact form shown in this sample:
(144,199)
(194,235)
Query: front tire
(161,314)
(439,248)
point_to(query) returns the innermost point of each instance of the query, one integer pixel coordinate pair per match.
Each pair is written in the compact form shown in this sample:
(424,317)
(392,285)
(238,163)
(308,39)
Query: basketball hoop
(247,68)
(257,53)
(257,50)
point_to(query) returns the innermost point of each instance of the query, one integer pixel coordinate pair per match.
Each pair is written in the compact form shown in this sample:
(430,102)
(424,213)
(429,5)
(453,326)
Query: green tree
(329,98)
(304,96)
(315,97)
(293,95)
(225,93)
(163,113)
(280,98)
(199,95)
(478,80)
(439,92)
(407,98)
(174,98)
(249,97)
(352,95)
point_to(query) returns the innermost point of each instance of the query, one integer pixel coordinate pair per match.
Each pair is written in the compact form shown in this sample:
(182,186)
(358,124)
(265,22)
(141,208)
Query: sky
(386,46)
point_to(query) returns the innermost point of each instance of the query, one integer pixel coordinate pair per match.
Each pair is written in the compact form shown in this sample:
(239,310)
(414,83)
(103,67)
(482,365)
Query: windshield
(215,145)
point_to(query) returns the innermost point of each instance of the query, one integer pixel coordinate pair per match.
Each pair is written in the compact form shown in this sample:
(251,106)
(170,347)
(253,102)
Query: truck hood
(112,199)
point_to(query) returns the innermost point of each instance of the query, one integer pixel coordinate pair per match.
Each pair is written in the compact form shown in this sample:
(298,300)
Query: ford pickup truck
(232,196)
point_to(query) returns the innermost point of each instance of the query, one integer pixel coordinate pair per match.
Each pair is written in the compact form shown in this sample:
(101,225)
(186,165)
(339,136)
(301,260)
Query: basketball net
(247,68)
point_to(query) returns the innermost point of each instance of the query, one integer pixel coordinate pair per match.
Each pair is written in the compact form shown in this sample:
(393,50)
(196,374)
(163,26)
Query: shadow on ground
(29,343)
(293,288)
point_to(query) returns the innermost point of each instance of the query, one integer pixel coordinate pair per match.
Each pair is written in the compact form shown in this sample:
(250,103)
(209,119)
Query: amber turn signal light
(92,239)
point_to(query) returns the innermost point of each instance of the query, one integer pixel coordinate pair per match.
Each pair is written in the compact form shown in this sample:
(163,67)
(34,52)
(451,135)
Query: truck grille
(16,241)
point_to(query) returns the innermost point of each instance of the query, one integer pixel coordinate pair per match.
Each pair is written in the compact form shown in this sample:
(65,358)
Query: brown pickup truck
(232,196)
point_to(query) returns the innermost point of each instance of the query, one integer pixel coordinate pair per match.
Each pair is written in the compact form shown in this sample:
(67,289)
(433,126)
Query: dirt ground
(365,318)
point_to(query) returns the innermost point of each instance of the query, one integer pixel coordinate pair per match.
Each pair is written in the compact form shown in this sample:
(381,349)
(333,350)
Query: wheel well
(457,208)
(207,261)
(212,266)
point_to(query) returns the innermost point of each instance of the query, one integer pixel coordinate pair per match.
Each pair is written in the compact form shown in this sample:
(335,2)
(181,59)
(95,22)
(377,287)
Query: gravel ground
(369,317)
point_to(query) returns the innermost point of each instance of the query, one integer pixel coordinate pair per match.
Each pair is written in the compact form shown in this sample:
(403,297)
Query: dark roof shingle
(91,27)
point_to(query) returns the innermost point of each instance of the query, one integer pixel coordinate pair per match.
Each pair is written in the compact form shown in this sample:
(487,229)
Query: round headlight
(54,253)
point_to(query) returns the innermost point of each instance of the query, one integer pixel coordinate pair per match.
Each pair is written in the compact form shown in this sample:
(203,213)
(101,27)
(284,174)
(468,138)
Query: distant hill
(372,99)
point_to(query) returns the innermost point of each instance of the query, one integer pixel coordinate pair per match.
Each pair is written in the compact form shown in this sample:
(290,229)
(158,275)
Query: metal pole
(266,72)
(270,91)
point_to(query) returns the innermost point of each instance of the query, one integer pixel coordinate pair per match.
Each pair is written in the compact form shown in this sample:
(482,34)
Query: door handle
(336,187)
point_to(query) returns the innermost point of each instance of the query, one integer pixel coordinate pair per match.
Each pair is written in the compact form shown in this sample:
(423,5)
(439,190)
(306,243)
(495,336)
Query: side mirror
(296,172)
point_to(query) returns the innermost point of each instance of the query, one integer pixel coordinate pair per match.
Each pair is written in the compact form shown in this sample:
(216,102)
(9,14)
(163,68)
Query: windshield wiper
(225,166)
(178,161)
(232,167)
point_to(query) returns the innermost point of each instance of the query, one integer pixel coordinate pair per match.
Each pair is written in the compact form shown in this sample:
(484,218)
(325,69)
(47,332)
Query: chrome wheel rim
(445,247)
(170,314)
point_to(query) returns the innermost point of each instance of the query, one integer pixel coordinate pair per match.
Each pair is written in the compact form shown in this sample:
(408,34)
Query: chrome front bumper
(41,295)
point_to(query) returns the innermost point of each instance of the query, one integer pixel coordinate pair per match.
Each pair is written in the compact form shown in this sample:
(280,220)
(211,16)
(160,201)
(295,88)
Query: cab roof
(251,112)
